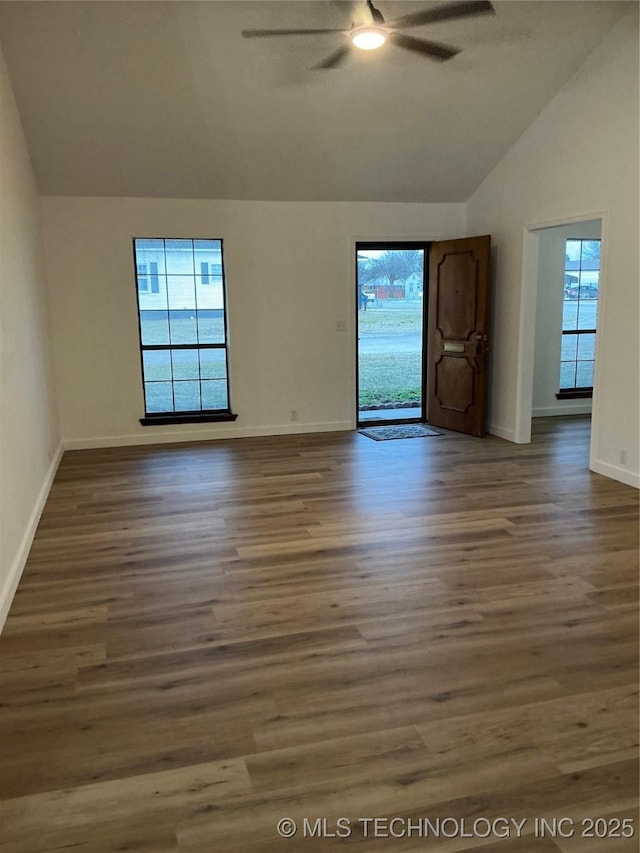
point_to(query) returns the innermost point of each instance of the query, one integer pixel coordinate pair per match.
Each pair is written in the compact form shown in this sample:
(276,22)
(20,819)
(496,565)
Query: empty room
(319,426)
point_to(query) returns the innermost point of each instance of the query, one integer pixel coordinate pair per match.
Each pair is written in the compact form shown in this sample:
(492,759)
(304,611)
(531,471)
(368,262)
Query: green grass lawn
(390,320)
(183,331)
(389,378)
(185,395)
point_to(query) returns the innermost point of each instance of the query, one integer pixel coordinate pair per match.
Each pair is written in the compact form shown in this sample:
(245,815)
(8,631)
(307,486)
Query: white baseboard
(158,436)
(501,432)
(615,472)
(560,411)
(17,567)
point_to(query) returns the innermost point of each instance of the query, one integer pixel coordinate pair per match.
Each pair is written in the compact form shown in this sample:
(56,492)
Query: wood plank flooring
(208,638)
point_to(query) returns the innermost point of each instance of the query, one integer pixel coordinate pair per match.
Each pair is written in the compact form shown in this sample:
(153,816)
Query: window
(209,273)
(148,281)
(579,317)
(183,336)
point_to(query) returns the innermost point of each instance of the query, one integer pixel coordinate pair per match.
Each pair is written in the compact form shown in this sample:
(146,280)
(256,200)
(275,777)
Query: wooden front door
(458,334)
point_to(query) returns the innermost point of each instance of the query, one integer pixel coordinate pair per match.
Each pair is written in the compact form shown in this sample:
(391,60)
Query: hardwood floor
(208,638)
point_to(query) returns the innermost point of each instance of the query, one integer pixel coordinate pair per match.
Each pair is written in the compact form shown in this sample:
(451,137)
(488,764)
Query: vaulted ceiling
(167,99)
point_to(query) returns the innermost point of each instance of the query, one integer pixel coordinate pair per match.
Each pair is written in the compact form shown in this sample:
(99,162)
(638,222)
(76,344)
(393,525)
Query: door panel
(455,376)
(458,333)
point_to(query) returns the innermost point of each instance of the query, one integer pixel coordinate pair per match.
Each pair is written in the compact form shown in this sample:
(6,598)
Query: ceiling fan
(373,35)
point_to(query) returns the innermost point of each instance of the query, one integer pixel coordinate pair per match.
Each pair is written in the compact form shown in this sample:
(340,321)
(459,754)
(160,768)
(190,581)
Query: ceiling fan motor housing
(368,38)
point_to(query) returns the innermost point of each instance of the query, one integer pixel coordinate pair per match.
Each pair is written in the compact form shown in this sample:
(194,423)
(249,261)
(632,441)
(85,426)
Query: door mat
(386,433)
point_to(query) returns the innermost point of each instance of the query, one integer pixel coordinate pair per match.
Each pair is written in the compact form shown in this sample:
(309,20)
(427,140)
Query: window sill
(575,394)
(195,418)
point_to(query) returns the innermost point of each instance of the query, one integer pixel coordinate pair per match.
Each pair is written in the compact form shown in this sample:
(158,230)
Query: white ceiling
(166,99)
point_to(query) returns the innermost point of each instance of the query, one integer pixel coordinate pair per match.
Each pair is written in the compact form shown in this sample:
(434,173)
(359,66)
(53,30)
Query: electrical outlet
(341,325)
(623,457)
(294,415)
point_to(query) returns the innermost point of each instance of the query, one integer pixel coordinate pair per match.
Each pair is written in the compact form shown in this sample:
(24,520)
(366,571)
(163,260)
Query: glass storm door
(390,293)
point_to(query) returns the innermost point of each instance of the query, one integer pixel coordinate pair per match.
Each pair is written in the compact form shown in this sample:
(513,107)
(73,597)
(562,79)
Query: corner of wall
(29,423)
(615,472)
(14,574)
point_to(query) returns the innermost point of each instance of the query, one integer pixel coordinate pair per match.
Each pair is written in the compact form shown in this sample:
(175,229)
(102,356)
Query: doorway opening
(562,296)
(391,300)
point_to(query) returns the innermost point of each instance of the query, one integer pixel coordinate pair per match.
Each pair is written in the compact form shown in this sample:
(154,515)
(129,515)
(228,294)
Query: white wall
(549,304)
(578,159)
(290,278)
(29,437)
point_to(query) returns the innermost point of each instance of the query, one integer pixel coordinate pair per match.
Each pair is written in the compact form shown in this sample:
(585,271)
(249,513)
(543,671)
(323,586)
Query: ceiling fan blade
(376,15)
(450,12)
(432,49)
(356,10)
(253,34)
(334,59)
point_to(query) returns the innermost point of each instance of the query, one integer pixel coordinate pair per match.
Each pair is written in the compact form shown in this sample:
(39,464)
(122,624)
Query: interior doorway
(391,302)
(562,309)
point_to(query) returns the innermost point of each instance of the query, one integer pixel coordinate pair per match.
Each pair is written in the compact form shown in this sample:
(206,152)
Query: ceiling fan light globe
(368,38)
